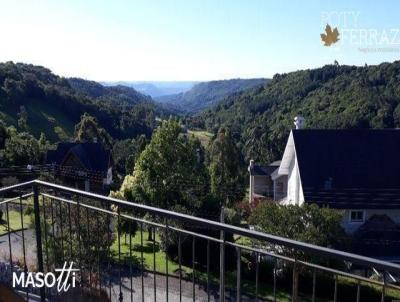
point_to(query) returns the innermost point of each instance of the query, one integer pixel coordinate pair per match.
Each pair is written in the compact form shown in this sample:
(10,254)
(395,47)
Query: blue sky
(194,40)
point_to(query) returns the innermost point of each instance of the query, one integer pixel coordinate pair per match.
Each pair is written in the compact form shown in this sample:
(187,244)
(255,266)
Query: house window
(356,216)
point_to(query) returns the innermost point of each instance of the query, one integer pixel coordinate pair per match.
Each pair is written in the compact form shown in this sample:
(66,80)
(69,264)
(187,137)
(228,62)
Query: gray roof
(264,170)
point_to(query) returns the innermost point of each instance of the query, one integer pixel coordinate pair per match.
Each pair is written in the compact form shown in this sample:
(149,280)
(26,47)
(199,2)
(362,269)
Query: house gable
(91,156)
(85,165)
(71,160)
(289,173)
(288,156)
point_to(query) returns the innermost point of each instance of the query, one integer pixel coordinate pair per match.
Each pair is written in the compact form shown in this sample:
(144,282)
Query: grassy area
(390,292)
(15,221)
(48,119)
(148,257)
(204,136)
(248,286)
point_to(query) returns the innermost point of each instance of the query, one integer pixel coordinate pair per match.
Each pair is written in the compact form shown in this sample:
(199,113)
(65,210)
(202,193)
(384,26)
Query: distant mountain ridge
(155,88)
(206,94)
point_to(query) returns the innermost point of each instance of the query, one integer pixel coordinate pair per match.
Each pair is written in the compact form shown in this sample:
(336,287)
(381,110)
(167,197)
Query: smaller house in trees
(86,166)
(261,184)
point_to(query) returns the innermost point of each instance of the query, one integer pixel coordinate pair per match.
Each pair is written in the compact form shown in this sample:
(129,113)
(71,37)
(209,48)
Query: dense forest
(329,97)
(35,100)
(206,94)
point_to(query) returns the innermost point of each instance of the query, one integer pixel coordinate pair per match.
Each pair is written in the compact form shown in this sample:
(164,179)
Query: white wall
(292,183)
(295,191)
(351,227)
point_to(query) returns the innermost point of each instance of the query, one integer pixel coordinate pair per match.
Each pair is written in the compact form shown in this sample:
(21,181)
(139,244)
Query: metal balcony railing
(202,260)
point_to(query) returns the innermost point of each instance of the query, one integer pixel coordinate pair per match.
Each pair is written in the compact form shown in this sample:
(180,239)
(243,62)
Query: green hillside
(329,97)
(119,94)
(33,99)
(206,94)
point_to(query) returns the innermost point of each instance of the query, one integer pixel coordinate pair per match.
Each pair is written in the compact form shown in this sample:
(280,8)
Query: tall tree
(88,130)
(44,145)
(168,173)
(224,168)
(307,223)
(126,152)
(23,119)
(3,134)
(140,145)
(19,149)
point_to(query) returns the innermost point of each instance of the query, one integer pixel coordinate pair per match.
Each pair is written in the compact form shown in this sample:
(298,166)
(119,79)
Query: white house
(357,171)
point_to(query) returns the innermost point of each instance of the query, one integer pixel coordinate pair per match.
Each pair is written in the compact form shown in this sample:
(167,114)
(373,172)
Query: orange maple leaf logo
(330,36)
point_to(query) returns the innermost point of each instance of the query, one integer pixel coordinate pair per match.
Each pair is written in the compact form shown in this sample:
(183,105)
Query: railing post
(383,287)
(38,233)
(295,280)
(314,284)
(238,273)
(335,292)
(222,260)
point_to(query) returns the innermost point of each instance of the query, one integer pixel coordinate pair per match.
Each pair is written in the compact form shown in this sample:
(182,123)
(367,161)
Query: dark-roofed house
(354,170)
(87,166)
(261,184)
